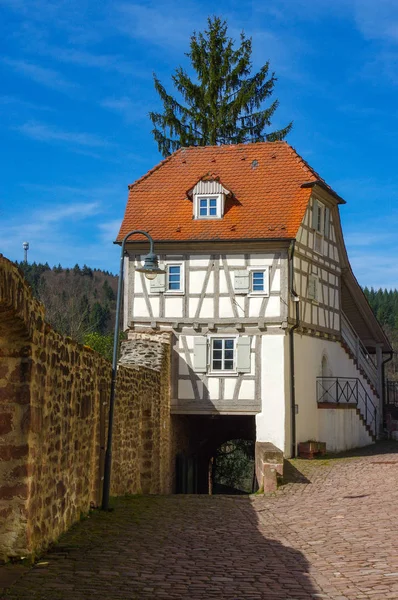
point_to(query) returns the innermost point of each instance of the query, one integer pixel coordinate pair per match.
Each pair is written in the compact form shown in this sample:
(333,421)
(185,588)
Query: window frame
(316,280)
(265,271)
(217,197)
(174,263)
(222,372)
(319,230)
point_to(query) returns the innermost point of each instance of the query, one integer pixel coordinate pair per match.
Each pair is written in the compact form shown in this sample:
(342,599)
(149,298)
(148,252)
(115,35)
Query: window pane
(229,354)
(174,277)
(217,344)
(229,365)
(203,212)
(213,202)
(217,365)
(213,212)
(203,203)
(217,354)
(258,281)
(229,344)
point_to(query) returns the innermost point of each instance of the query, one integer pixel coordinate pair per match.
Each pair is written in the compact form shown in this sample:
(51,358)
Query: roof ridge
(155,168)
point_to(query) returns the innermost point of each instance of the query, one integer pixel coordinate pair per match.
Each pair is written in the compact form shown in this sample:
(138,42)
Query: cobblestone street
(328,533)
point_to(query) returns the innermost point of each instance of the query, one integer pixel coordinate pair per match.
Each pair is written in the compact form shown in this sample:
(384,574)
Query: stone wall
(53,415)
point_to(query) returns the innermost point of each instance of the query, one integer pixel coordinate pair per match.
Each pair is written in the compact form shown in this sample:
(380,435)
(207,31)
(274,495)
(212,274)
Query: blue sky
(77,86)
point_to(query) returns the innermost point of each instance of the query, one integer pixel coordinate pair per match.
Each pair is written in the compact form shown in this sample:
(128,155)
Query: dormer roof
(268,184)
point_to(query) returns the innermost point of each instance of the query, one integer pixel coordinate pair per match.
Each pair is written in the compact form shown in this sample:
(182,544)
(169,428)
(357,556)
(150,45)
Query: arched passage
(199,438)
(233,468)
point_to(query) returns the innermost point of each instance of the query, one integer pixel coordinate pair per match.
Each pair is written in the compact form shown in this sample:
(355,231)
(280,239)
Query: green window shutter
(200,355)
(242,282)
(327,221)
(243,360)
(315,212)
(158,284)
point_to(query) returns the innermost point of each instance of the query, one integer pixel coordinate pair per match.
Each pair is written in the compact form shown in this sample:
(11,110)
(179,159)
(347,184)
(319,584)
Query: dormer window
(208,206)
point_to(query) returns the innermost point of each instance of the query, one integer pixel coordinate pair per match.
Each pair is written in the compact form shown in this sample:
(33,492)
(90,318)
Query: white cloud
(109,230)
(42,75)
(45,133)
(377,20)
(131,111)
(163,24)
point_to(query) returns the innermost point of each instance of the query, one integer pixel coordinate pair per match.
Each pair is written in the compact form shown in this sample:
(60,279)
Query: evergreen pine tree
(225,105)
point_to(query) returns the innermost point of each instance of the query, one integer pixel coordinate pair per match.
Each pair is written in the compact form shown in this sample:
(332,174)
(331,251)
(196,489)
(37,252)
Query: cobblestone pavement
(329,533)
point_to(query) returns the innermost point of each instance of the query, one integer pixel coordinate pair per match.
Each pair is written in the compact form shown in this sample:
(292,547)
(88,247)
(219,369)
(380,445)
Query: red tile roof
(267,198)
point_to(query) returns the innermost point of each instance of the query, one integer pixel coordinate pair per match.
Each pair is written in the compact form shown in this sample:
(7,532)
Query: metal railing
(348,390)
(364,360)
(391,395)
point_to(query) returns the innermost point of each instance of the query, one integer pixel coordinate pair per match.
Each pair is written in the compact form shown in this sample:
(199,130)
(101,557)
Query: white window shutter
(327,221)
(315,210)
(200,355)
(242,282)
(158,284)
(243,360)
(312,288)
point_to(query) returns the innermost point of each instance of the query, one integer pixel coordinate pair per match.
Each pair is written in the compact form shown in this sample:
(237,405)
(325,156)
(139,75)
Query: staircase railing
(391,395)
(349,390)
(363,358)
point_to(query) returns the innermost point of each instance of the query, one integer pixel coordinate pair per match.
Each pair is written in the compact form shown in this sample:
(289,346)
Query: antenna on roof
(25,246)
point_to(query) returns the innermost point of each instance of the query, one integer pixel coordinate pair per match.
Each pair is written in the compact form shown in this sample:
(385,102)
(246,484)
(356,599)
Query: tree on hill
(78,301)
(226,103)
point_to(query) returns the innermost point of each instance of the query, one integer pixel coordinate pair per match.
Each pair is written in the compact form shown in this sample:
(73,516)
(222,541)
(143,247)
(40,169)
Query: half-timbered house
(273,336)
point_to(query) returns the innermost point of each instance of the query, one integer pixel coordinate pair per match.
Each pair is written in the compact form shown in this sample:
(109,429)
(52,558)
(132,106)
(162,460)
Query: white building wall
(311,421)
(270,422)
(342,429)
(209,291)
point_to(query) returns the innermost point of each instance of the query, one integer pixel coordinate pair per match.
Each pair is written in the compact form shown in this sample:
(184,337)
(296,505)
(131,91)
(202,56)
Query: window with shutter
(312,292)
(200,354)
(318,242)
(243,356)
(327,222)
(158,285)
(242,282)
(259,281)
(317,216)
(175,277)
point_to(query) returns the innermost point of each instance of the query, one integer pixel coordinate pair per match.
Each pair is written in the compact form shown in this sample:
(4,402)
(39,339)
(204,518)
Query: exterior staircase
(350,392)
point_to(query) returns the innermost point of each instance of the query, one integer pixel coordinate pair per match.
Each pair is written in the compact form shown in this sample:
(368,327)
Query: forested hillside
(384,304)
(80,302)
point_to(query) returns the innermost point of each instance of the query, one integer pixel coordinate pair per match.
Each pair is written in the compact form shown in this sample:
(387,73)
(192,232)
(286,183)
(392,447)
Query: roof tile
(267,198)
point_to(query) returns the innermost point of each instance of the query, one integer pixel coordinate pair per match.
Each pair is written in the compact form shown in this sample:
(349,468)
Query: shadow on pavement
(175,547)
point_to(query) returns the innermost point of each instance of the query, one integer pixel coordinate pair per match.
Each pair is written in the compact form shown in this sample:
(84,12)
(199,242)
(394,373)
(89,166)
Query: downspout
(383,376)
(296,300)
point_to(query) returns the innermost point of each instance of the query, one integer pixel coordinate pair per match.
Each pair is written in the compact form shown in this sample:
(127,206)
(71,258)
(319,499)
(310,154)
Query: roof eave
(324,186)
(212,241)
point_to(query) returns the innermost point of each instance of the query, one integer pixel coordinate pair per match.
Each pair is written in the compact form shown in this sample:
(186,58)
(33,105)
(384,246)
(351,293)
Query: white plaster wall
(185,390)
(172,306)
(173,303)
(342,429)
(270,423)
(308,366)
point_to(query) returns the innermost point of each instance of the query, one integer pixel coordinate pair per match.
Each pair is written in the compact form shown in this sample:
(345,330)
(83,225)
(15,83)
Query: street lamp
(151,269)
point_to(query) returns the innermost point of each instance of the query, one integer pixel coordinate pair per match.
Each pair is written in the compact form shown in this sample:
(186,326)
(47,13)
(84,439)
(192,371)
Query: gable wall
(324,313)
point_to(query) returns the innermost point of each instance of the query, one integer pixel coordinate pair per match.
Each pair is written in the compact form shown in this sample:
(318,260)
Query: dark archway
(233,468)
(200,438)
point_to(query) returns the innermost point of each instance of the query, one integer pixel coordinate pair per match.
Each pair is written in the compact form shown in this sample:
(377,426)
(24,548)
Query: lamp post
(150,268)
